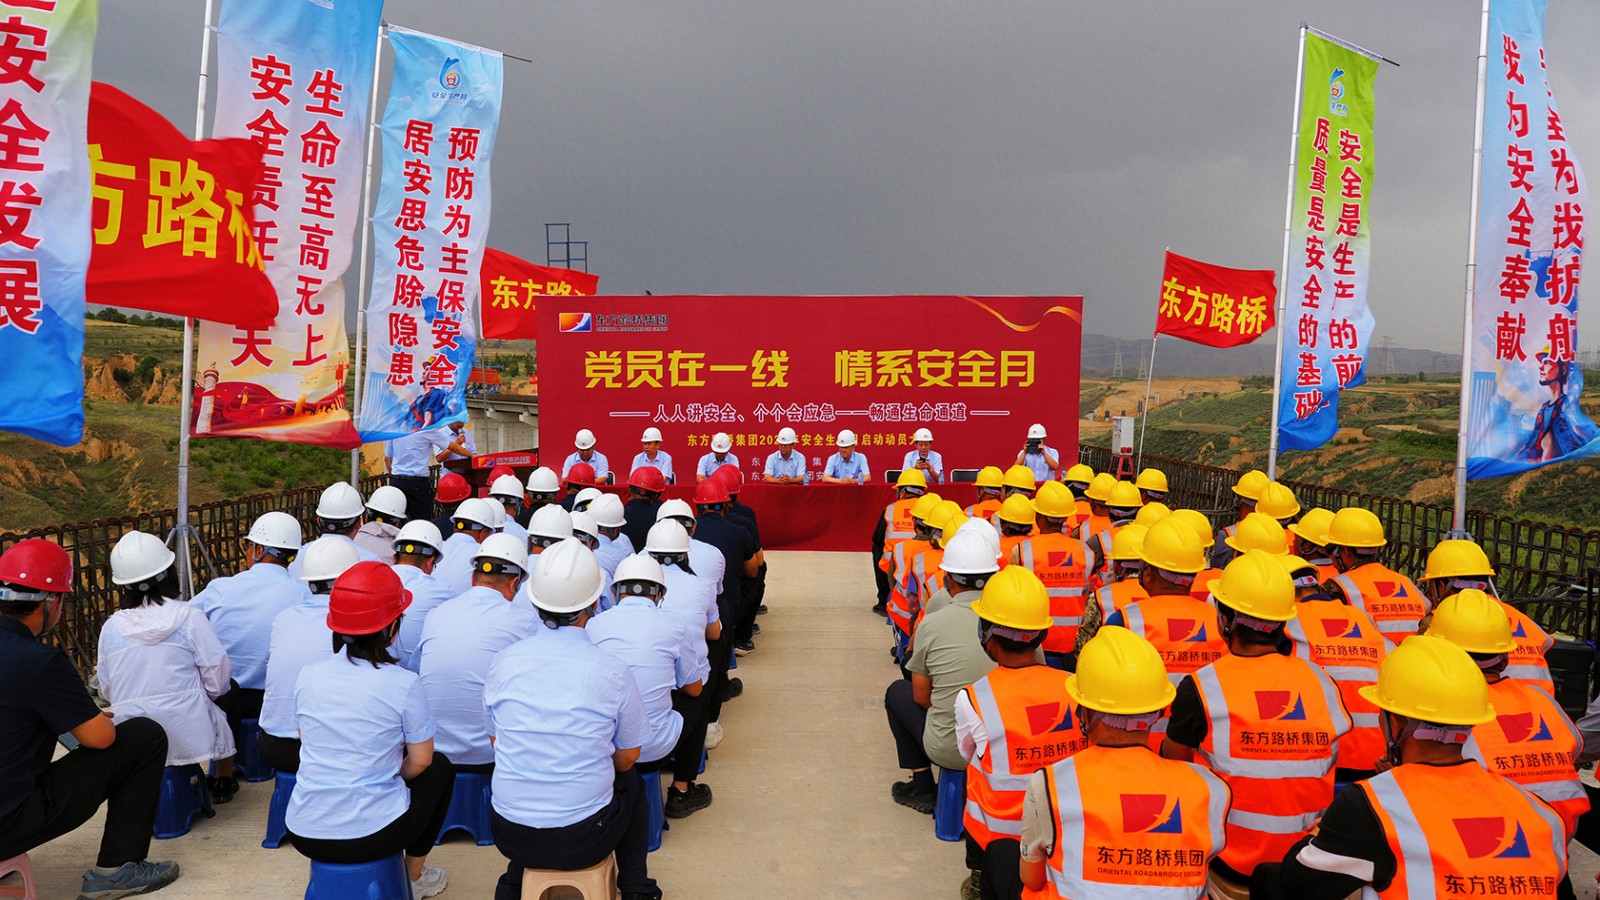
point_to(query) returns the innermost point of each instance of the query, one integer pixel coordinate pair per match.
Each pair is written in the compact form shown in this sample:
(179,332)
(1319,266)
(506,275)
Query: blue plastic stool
(247,761)
(948,810)
(384,879)
(703,757)
(657,808)
(733,662)
(278,811)
(184,794)
(469,809)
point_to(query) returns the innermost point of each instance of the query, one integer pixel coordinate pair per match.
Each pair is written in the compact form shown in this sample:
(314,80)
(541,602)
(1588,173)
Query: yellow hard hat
(1100,486)
(1313,525)
(1015,598)
(1354,527)
(1152,480)
(1128,541)
(989,477)
(1124,495)
(1457,559)
(1250,484)
(942,513)
(1054,500)
(1017,509)
(1473,621)
(1430,679)
(924,505)
(1258,585)
(951,526)
(1120,672)
(911,478)
(1304,574)
(1196,520)
(1172,545)
(1152,512)
(1019,477)
(1079,474)
(1277,501)
(1259,531)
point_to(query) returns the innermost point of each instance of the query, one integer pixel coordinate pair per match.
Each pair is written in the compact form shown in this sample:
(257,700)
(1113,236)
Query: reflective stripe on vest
(1221,757)
(1156,618)
(1346,643)
(1397,614)
(1533,743)
(897,519)
(1027,719)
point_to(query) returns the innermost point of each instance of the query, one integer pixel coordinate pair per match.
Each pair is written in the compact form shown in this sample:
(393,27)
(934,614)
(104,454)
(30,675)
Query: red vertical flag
(1215,305)
(511,288)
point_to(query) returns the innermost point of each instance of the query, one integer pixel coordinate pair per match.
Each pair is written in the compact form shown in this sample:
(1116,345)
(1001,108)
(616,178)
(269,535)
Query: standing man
(653,455)
(846,466)
(784,466)
(586,453)
(923,457)
(1039,457)
(720,456)
(457,457)
(1355,537)
(407,460)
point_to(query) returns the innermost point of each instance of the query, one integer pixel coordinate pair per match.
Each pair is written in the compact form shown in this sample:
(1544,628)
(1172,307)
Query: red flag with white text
(1215,305)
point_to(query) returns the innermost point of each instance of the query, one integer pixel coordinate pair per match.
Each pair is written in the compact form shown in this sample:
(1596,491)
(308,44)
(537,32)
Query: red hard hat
(497,471)
(648,478)
(712,490)
(38,564)
(581,474)
(731,478)
(452,488)
(366,599)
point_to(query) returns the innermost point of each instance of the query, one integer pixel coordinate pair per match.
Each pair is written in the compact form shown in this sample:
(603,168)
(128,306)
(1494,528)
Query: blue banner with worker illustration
(1522,409)
(430,228)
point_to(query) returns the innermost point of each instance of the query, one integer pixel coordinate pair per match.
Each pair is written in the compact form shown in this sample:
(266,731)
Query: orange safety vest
(983,509)
(1456,829)
(1391,599)
(1027,717)
(1062,563)
(1346,643)
(1274,724)
(899,606)
(1532,742)
(1006,543)
(1119,595)
(1183,629)
(897,527)
(1092,525)
(1130,824)
(1201,589)
(1527,663)
(914,581)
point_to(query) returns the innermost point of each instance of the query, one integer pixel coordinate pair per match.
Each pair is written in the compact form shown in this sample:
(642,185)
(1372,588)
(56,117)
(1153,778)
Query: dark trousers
(720,654)
(413,833)
(239,704)
(622,828)
(907,718)
(282,754)
(878,539)
(752,591)
(125,776)
(1002,875)
(685,762)
(419,495)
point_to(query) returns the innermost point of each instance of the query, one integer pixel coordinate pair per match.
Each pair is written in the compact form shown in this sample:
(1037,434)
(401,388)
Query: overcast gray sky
(924,146)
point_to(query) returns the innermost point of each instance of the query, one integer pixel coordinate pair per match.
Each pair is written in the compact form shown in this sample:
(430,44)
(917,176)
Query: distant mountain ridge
(1178,357)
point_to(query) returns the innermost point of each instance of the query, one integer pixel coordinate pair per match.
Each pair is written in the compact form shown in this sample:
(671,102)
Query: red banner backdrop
(1214,305)
(511,288)
(976,370)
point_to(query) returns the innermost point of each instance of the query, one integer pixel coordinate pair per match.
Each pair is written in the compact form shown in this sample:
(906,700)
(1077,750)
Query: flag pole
(375,132)
(1459,519)
(1144,421)
(1288,235)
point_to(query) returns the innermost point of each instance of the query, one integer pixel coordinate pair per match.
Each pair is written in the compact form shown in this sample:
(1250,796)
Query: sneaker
(714,736)
(880,609)
(755,629)
(761,610)
(127,880)
(734,688)
(432,883)
(682,804)
(970,889)
(744,648)
(223,789)
(907,794)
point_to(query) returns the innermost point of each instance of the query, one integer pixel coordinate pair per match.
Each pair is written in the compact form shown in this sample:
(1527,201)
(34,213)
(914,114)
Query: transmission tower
(1144,364)
(1116,367)
(1387,345)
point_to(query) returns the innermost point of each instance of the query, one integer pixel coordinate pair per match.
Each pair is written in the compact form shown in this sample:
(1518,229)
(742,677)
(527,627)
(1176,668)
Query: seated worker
(706,561)
(1122,586)
(451,491)
(1017,480)
(846,466)
(892,528)
(160,658)
(508,492)
(117,763)
(742,560)
(580,477)
(340,514)
(897,563)
(1098,518)
(1040,458)
(1077,479)
(784,465)
(1122,508)
(473,522)
(614,545)
(922,577)
(1246,491)
(644,499)
(719,456)
(1015,523)
(1201,588)
(989,483)
(653,455)
(923,458)
(1310,529)
(544,488)
(1355,537)
(1062,563)
(585,453)
(386,512)
(416,552)
(1460,565)
(692,600)
(1278,502)
(753,588)
(370,784)
(568,724)
(1152,485)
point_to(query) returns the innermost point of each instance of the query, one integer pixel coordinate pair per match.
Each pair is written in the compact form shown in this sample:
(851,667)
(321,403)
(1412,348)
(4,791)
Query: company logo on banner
(976,370)
(430,228)
(44,215)
(1523,409)
(511,289)
(1214,305)
(294,77)
(1327,324)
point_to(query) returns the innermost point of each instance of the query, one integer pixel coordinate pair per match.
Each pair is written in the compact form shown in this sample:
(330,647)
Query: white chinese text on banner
(294,76)
(45,49)
(1523,410)
(429,229)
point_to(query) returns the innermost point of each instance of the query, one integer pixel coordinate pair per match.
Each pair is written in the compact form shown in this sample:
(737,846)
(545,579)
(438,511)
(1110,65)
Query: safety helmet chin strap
(1140,722)
(1453,735)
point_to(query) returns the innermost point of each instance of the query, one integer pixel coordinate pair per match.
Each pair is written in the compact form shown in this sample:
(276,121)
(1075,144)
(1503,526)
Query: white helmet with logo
(585,439)
(651,434)
(721,443)
(847,438)
(922,434)
(1036,432)
(787,436)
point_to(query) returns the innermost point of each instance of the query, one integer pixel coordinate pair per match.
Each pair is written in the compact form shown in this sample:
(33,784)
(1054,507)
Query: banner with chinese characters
(172,233)
(512,286)
(429,230)
(1214,305)
(45,49)
(977,371)
(1327,325)
(1523,408)
(294,76)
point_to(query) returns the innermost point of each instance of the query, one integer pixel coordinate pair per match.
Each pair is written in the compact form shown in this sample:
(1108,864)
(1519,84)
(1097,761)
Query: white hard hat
(497,515)
(651,434)
(969,554)
(583,523)
(922,434)
(507,548)
(721,443)
(506,486)
(586,496)
(584,440)
(847,438)
(607,511)
(139,556)
(278,530)
(475,509)
(667,537)
(639,567)
(982,528)
(326,558)
(786,436)
(544,480)
(550,521)
(1036,431)
(674,509)
(340,501)
(566,580)
(416,534)
(388,500)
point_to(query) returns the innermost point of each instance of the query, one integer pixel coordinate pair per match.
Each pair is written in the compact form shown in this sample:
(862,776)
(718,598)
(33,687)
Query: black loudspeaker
(1571,663)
